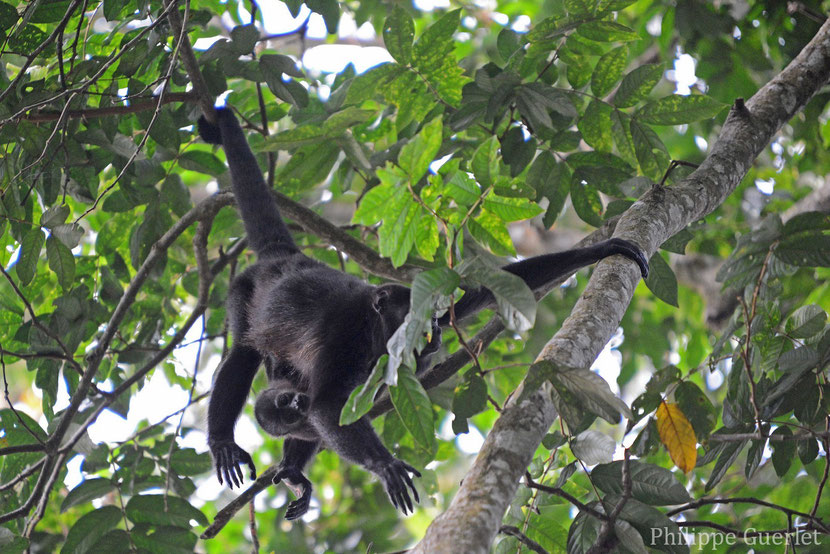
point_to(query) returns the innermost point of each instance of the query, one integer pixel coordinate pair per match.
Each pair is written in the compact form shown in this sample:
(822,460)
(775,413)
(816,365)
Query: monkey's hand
(630,251)
(300,486)
(395,476)
(228,456)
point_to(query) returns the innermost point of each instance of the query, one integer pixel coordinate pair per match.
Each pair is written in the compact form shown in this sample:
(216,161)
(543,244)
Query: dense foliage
(556,114)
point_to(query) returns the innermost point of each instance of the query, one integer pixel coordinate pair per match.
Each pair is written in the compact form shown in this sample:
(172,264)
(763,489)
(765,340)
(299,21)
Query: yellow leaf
(677,435)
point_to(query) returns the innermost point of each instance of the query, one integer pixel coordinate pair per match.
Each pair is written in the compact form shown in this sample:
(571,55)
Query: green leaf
(277,64)
(417,154)
(677,110)
(551,180)
(647,520)
(112,9)
(433,57)
(806,321)
(677,242)
(428,289)
(697,408)
(11,543)
(333,127)
(87,491)
(650,484)
(8,16)
(621,131)
(490,231)
(427,237)
(470,396)
(586,202)
(515,301)
(661,280)
(89,528)
(607,31)
(637,85)
(593,447)
(783,451)
(580,7)
(150,508)
(608,70)
(202,161)
(485,162)
(595,126)
(54,216)
(374,203)
(187,461)
(165,540)
(61,261)
(362,397)
(30,247)
(805,250)
(511,209)
(590,391)
(651,152)
(330,10)
(415,410)
(398,33)
(244,39)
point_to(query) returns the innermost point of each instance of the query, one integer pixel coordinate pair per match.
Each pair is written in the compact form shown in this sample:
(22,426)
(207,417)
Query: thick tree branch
(474,517)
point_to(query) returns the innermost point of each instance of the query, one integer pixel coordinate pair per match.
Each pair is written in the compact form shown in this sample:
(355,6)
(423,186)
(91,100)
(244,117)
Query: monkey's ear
(380,298)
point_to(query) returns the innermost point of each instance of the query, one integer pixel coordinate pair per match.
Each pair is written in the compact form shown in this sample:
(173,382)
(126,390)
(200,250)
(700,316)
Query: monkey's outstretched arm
(230,389)
(541,270)
(359,444)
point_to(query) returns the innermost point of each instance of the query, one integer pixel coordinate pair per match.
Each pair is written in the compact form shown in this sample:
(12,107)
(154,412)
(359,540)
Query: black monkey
(319,333)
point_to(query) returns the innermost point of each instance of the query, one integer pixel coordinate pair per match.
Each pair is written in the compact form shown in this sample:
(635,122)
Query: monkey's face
(282,410)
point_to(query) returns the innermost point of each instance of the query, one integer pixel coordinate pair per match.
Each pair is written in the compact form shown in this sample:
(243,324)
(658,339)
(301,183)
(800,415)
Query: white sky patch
(436,165)
(701,143)
(430,5)
(654,27)
(522,24)
(766,186)
(471,442)
(609,362)
(333,58)
(684,74)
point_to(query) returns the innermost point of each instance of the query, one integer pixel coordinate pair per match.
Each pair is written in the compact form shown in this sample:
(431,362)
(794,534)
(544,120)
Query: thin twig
(522,538)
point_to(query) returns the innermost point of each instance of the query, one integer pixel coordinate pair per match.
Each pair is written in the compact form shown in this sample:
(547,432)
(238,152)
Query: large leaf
(398,33)
(415,410)
(89,528)
(636,86)
(156,509)
(650,484)
(677,110)
(88,490)
(677,434)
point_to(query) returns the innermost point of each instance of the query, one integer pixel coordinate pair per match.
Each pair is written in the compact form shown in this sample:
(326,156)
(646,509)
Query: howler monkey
(319,333)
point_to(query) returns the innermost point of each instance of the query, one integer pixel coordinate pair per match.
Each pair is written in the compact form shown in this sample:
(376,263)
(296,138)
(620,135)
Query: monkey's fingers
(412,487)
(411,469)
(219,466)
(246,459)
(297,508)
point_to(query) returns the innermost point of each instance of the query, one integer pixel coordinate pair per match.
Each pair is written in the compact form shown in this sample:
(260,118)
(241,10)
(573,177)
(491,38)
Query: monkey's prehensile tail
(267,233)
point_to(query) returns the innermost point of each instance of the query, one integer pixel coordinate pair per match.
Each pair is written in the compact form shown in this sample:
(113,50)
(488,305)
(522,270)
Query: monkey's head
(282,410)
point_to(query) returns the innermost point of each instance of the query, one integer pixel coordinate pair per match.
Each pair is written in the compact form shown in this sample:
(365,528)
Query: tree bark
(474,517)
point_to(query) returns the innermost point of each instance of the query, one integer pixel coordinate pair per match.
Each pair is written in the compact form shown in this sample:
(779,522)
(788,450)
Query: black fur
(319,333)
